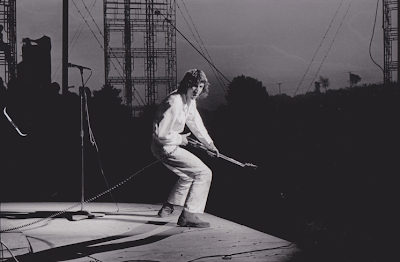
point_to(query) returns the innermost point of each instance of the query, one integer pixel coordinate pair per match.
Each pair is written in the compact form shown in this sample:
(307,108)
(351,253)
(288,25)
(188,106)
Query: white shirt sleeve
(196,126)
(164,129)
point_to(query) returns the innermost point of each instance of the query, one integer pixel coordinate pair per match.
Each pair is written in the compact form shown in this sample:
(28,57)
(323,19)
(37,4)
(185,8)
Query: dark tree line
(327,165)
(327,160)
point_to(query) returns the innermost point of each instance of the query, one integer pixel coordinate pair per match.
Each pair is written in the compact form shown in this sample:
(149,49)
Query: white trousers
(191,189)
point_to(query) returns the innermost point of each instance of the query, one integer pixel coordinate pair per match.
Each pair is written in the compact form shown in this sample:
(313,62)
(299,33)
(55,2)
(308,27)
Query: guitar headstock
(250,165)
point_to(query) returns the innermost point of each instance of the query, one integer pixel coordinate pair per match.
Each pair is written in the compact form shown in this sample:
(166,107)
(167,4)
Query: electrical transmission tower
(140,49)
(8,39)
(390,37)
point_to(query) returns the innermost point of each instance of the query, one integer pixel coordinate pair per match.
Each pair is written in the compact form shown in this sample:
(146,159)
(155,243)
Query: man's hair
(193,77)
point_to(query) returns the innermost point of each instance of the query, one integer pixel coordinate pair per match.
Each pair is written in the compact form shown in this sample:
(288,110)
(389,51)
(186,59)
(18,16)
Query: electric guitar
(200,145)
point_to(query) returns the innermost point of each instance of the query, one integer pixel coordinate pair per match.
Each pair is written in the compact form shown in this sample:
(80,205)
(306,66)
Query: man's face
(195,91)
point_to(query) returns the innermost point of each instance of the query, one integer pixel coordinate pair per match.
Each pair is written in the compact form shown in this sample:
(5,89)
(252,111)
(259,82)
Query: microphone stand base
(83,214)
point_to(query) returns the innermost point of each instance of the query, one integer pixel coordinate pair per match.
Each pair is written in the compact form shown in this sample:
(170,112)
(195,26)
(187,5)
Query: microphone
(78,66)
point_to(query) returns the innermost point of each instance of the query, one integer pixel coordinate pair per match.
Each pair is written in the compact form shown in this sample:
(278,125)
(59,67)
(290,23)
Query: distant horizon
(283,39)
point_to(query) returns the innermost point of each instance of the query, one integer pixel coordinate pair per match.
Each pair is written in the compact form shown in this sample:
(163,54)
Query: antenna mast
(390,38)
(8,41)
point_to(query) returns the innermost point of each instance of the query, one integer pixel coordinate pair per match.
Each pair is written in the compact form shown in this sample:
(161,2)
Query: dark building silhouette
(35,68)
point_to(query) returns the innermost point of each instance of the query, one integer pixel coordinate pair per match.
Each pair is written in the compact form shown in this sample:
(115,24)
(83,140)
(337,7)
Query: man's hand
(184,139)
(213,149)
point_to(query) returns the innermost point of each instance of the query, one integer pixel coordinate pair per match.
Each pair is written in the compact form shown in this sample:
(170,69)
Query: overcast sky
(271,40)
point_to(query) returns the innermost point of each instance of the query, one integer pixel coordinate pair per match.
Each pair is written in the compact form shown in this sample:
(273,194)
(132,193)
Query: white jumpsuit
(191,190)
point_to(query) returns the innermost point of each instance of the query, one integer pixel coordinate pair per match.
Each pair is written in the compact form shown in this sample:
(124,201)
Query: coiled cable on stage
(88,200)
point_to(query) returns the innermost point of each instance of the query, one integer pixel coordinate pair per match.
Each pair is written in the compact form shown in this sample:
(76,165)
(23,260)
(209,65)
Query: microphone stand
(82,214)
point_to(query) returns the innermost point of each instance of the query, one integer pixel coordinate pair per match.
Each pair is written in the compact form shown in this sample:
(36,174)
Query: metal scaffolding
(8,41)
(140,49)
(390,39)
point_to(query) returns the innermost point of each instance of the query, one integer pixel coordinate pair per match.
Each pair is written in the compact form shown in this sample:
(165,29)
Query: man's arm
(164,128)
(196,125)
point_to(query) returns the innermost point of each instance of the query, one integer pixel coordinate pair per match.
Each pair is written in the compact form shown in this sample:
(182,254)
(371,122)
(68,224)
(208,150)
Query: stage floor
(127,233)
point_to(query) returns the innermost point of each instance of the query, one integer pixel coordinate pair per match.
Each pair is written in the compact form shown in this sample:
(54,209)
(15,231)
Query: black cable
(91,73)
(98,28)
(73,41)
(176,29)
(320,44)
(201,53)
(93,141)
(241,253)
(372,36)
(333,40)
(86,201)
(221,82)
(87,24)
(81,25)
(101,46)
(90,14)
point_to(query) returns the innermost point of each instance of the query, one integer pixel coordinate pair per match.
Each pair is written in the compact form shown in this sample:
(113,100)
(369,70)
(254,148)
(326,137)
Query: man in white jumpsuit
(176,110)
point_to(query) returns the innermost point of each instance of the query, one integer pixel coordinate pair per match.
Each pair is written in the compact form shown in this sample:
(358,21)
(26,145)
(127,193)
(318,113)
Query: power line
(87,23)
(102,35)
(208,61)
(166,19)
(101,46)
(333,40)
(320,44)
(73,41)
(220,80)
(98,28)
(372,37)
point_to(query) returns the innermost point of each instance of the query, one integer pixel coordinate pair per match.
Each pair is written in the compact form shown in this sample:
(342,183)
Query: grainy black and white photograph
(199,130)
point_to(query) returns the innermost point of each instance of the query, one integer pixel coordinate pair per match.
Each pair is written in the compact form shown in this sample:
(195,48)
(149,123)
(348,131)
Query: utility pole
(64,66)
(350,82)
